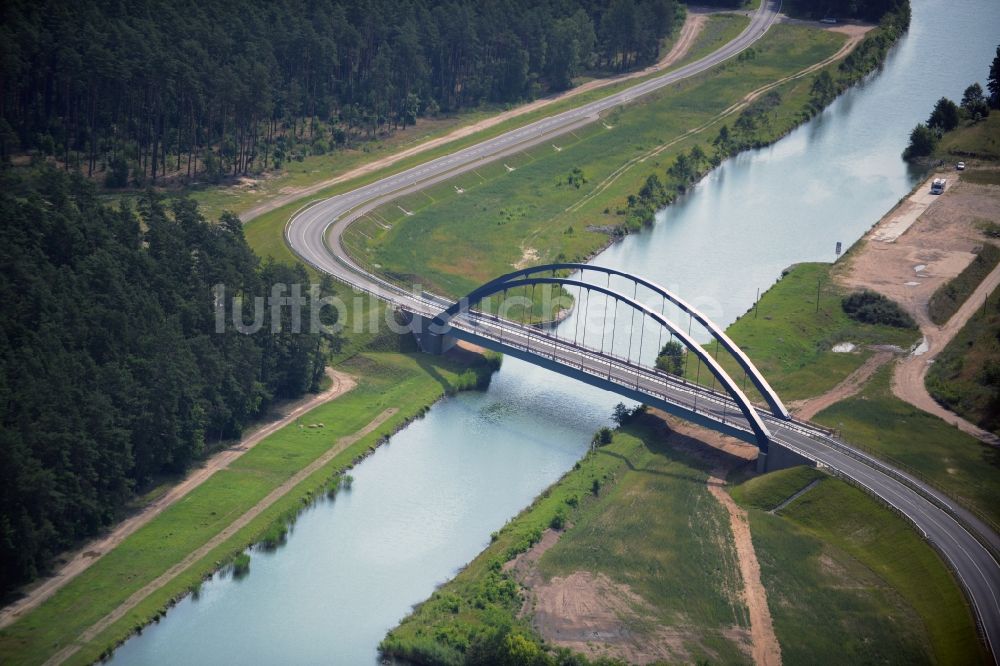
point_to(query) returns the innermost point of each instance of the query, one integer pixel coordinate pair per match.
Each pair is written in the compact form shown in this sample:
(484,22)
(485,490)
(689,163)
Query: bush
(241,565)
(603,436)
(869,307)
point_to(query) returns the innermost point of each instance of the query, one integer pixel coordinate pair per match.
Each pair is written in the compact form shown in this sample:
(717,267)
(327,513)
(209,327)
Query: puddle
(912,284)
(843,347)
(920,267)
(920,349)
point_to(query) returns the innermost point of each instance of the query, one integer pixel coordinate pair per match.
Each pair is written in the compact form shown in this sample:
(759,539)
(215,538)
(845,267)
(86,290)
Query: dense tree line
(111,367)
(868,10)
(138,90)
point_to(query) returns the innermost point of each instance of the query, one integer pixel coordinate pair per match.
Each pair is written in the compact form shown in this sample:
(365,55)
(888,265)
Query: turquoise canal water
(425,504)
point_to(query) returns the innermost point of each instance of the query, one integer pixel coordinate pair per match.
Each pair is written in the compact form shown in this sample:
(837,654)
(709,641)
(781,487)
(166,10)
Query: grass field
(964,375)
(950,296)
(790,340)
(659,531)
(386,380)
(980,140)
(503,217)
(648,498)
(895,431)
(835,558)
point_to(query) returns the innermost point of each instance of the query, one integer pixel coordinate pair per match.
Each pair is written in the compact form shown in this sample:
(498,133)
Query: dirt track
(766,650)
(806,409)
(912,251)
(689,32)
(80,560)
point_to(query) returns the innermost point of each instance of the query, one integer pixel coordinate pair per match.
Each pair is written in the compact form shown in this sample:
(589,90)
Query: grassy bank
(965,375)
(407,382)
(950,296)
(636,491)
(832,558)
(959,464)
(790,337)
(555,201)
(835,558)
(979,140)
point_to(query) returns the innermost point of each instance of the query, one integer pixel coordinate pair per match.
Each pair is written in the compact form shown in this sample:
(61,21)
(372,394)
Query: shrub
(603,436)
(241,565)
(869,307)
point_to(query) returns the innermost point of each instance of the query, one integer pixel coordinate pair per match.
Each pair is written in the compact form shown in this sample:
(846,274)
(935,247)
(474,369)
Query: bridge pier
(428,341)
(778,457)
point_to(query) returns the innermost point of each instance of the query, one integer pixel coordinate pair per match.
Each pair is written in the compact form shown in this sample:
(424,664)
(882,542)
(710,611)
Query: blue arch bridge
(704,393)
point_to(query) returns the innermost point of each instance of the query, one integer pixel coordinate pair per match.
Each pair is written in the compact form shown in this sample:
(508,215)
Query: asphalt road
(314,234)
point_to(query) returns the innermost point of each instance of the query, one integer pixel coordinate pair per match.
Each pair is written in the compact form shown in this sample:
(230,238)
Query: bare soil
(77,562)
(765,647)
(907,257)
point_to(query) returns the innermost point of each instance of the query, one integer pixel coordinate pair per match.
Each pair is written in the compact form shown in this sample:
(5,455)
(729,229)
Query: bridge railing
(546,343)
(912,479)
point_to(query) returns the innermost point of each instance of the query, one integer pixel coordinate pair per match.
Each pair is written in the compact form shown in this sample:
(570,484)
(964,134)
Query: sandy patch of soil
(910,265)
(598,617)
(528,256)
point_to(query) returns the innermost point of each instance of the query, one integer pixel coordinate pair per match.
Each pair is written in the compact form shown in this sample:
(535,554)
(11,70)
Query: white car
(960,166)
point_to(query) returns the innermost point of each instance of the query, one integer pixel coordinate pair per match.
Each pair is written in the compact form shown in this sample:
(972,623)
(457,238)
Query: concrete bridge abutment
(429,341)
(778,457)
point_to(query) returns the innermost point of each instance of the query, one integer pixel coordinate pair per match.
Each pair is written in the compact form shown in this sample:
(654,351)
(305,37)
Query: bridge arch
(774,402)
(441,324)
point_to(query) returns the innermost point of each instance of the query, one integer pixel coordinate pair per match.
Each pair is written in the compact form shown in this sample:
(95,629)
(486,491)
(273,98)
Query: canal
(425,504)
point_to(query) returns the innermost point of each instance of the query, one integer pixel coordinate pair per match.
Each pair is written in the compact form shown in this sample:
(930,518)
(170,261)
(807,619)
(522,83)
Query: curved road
(314,234)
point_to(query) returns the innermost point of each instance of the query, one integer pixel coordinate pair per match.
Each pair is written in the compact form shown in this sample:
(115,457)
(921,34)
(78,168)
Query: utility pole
(819,281)
(756,304)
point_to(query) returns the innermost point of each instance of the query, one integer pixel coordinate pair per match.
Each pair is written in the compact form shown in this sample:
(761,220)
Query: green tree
(620,414)
(993,82)
(823,90)
(671,358)
(944,117)
(974,102)
(923,140)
